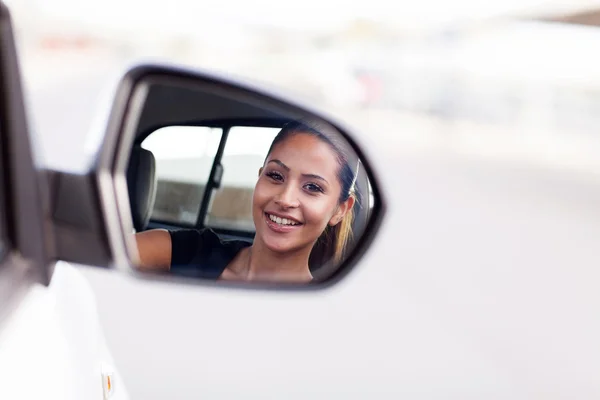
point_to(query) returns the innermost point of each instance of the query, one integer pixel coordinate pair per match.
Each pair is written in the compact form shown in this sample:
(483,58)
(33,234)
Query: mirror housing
(92,212)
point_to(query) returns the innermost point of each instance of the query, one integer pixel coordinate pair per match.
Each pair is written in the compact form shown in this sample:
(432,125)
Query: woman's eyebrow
(282,165)
(313,176)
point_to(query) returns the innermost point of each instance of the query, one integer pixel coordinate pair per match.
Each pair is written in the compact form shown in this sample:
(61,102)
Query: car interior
(144,185)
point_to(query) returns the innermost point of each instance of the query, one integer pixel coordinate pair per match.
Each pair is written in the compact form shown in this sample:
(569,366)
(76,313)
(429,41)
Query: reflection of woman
(302,208)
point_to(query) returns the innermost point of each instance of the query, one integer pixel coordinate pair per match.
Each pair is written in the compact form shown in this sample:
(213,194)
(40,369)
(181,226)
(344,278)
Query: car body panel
(53,345)
(447,303)
(482,284)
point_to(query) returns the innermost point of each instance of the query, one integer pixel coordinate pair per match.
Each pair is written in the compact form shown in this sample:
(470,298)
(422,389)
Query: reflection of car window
(244,154)
(184,157)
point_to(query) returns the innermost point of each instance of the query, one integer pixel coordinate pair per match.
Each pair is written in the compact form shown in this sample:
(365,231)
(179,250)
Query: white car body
(481,284)
(53,347)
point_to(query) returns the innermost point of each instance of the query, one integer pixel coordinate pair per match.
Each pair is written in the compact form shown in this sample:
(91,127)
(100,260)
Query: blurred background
(511,80)
(510,89)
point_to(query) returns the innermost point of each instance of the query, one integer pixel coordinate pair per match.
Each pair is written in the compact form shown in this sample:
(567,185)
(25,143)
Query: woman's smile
(281,225)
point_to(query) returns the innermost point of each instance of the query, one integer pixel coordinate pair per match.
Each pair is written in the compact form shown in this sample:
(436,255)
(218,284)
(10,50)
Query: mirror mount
(80,237)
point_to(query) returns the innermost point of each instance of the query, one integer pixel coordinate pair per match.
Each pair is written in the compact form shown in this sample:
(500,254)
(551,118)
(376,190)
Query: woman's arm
(154,247)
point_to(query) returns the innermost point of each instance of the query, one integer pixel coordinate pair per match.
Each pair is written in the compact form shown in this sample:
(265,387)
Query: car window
(184,158)
(243,155)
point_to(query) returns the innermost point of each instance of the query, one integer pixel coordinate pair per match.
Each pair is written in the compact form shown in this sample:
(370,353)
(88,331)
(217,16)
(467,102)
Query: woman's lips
(274,226)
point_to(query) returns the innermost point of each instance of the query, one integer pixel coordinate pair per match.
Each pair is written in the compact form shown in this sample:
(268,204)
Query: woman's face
(297,194)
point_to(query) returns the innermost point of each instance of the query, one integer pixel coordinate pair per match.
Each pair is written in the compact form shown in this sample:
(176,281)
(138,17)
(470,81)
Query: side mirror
(199,176)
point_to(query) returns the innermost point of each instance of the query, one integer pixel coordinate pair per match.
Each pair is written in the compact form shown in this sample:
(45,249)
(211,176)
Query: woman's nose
(287,197)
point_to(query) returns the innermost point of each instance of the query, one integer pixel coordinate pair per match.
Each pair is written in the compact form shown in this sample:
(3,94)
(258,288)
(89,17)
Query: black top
(201,253)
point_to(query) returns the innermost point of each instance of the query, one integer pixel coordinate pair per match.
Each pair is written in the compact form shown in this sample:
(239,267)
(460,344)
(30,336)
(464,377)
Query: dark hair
(332,242)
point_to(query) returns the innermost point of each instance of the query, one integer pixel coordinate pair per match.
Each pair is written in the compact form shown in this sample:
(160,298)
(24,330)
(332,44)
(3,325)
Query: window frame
(232,231)
(216,171)
(182,224)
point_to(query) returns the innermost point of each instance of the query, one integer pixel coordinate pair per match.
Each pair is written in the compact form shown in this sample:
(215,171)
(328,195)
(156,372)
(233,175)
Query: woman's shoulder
(201,252)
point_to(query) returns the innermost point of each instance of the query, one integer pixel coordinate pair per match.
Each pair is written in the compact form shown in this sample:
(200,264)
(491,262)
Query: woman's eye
(312,187)
(275,176)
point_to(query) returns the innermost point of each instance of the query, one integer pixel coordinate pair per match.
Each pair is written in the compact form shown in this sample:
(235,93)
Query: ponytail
(343,234)
(332,243)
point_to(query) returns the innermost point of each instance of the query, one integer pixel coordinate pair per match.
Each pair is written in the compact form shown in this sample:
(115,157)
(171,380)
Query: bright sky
(306,14)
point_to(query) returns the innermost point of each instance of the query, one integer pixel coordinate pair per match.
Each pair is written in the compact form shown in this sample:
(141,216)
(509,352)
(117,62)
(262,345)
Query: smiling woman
(320,150)
(302,209)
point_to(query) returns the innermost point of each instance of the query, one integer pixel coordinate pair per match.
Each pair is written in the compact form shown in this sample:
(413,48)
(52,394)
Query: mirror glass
(226,184)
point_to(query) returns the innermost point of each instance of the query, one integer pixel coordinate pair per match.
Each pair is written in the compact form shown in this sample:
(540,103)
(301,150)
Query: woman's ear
(341,211)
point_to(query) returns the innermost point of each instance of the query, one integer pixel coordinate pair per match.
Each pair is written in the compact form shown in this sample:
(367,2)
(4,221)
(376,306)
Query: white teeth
(281,221)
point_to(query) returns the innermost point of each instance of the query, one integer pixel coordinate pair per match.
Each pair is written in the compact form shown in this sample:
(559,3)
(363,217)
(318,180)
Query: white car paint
(483,284)
(53,346)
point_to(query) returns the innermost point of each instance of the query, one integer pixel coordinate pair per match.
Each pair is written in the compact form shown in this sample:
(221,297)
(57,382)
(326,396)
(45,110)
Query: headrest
(141,181)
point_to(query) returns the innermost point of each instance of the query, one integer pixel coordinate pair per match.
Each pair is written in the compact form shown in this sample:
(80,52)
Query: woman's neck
(266,265)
